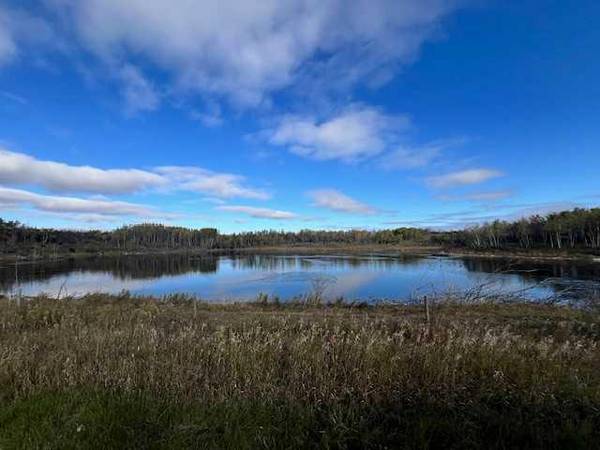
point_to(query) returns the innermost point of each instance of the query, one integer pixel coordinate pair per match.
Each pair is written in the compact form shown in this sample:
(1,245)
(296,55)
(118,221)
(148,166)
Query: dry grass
(175,373)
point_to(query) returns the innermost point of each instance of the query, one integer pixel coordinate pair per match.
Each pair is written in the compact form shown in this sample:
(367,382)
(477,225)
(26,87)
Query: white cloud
(463,178)
(491,196)
(8,46)
(354,134)
(207,119)
(337,201)
(94,218)
(246,50)
(214,200)
(55,204)
(138,93)
(407,157)
(260,213)
(21,169)
(211,117)
(506,212)
(19,30)
(542,209)
(220,185)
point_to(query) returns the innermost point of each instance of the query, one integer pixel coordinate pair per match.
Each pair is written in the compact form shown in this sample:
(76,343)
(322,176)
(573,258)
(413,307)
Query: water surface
(352,277)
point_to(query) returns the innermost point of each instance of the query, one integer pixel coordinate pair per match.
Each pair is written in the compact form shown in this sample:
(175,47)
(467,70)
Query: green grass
(87,419)
(123,372)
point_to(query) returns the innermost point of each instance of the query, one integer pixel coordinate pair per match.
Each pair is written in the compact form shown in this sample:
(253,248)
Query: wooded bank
(578,229)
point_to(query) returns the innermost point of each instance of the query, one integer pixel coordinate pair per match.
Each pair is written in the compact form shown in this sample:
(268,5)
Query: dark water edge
(242,276)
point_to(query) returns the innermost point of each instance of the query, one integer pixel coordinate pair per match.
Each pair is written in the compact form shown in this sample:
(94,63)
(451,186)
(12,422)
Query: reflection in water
(566,279)
(121,268)
(535,270)
(223,277)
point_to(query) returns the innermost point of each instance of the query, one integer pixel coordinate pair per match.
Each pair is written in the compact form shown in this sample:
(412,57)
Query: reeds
(493,375)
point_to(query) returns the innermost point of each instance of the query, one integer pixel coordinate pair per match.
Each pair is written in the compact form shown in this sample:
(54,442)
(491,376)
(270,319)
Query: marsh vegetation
(122,371)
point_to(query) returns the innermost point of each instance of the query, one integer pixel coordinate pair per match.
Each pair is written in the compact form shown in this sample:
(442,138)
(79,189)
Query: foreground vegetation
(117,372)
(569,231)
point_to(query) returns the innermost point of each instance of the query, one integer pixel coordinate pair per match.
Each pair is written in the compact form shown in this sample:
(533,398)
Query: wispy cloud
(477,216)
(20,30)
(56,204)
(542,209)
(491,196)
(463,178)
(356,133)
(337,201)
(259,213)
(214,200)
(211,117)
(139,94)
(409,158)
(413,157)
(12,96)
(220,185)
(8,44)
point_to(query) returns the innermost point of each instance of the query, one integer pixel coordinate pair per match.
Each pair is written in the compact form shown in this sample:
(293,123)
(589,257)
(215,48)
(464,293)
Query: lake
(227,277)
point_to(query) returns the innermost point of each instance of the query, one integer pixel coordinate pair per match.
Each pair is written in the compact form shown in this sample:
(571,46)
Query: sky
(304,114)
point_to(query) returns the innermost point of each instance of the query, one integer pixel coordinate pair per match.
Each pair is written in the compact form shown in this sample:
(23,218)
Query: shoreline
(368,250)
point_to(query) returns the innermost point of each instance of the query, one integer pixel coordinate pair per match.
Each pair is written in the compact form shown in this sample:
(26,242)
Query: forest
(578,229)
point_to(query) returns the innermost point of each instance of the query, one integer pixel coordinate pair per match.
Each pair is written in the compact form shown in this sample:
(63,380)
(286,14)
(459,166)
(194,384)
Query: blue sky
(297,114)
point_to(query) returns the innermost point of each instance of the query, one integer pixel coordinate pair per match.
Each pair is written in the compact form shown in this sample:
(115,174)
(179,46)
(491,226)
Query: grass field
(124,372)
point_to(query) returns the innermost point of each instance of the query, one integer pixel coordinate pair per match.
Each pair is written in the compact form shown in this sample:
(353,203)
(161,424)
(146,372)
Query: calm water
(241,277)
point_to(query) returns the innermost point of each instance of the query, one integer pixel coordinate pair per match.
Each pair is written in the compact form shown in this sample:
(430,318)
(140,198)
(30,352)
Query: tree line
(576,229)
(18,238)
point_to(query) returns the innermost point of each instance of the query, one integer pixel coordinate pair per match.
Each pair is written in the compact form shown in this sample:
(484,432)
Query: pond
(369,277)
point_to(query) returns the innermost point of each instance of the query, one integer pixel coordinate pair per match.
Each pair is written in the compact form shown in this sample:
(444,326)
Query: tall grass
(119,371)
